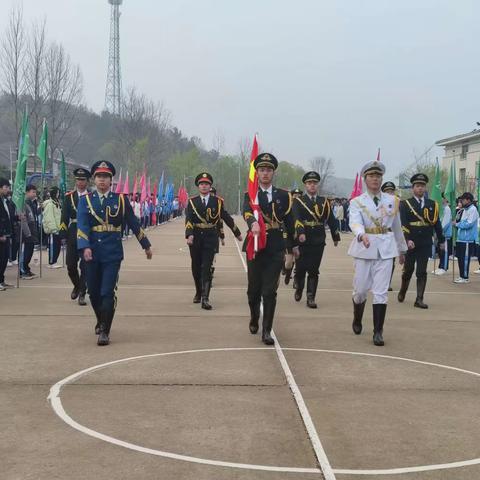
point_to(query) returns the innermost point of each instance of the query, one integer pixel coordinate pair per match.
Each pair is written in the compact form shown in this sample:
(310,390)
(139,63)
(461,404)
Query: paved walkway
(226,404)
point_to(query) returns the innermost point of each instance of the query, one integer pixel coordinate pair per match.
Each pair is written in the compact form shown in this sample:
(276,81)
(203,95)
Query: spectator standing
(52,220)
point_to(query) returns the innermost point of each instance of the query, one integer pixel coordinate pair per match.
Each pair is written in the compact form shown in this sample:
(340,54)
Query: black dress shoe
(298,295)
(253,326)
(205,304)
(74,294)
(197,298)
(81,300)
(419,304)
(103,339)
(378,339)
(267,338)
(311,303)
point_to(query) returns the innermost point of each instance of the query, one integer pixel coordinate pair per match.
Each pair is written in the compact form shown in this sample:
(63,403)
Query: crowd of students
(40,225)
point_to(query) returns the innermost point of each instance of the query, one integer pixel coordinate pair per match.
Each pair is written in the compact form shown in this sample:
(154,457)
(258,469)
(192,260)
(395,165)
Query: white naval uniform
(373,265)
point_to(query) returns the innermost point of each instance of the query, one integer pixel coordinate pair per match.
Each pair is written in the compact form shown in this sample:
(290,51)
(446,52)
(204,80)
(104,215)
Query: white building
(465,150)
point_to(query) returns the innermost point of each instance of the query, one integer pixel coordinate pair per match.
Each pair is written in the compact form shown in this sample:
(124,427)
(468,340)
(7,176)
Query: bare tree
(64,95)
(35,78)
(12,59)
(218,142)
(324,167)
(141,135)
(244,151)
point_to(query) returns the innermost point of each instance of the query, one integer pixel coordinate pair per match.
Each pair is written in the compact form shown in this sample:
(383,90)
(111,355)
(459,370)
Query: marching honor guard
(390,188)
(102,217)
(311,212)
(68,232)
(289,257)
(265,266)
(378,239)
(420,220)
(204,211)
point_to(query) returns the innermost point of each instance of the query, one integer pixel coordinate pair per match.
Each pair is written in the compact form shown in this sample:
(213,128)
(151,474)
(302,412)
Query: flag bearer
(311,212)
(102,216)
(378,239)
(420,221)
(265,266)
(204,211)
(68,232)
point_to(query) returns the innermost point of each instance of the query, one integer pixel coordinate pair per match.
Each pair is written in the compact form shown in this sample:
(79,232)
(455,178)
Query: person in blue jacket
(467,236)
(101,218)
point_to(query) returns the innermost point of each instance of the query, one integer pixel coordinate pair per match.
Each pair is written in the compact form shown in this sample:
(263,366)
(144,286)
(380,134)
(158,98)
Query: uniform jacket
(203,222)
(310,218)
(52,216)
(468,225)
(381,224)
(419,224)
(447,221)
(100,227)
(7,219)
(278,217)
(30,224)
(68,225)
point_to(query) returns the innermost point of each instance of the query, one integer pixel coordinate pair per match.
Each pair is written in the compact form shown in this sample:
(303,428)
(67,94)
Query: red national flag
(261,242)
(135,188)
(119,183)
(143,187)
(126,185)
(357,187)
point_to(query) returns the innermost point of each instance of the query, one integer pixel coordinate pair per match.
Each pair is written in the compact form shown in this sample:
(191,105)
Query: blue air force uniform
(101,221)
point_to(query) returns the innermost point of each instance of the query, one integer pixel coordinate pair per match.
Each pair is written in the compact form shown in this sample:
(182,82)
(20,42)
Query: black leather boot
(205,294)
(198,292)
(379,311)
(103,335)
(403,289)
(312,283)
(288,275)
(358,309)
(421,284)
(98,317)
(81,299)
(299,284)
(74,294)
(254,315)
(268,314)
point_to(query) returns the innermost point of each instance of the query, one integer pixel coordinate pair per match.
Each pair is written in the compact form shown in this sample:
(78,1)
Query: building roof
(473,135)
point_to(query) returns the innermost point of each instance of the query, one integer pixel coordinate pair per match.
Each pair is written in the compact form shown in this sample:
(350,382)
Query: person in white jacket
(378,239)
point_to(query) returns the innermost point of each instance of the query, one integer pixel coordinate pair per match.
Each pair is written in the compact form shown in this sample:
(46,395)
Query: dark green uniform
(310,216)
(264,270)
(201,221)
(419,224)
(74,260)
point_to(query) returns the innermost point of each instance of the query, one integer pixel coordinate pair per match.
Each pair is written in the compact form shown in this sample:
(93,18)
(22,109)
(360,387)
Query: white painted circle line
(56,403)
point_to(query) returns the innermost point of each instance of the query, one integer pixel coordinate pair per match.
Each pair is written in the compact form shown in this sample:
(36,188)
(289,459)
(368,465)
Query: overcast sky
(313,77)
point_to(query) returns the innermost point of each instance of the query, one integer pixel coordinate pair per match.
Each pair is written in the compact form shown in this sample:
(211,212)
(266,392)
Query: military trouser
(72,259)
(263,276)
(308,262)
(202,253)
(102,279)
